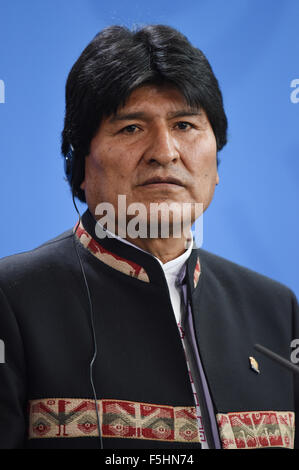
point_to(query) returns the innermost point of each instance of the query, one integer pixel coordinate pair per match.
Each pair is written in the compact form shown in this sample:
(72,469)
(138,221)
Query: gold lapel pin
(254,364)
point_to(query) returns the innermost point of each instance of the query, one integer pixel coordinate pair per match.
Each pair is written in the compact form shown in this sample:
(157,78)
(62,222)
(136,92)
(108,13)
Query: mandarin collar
(126,257)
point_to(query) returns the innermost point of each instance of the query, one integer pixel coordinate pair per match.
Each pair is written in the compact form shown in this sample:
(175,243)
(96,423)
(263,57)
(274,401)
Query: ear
(83,184)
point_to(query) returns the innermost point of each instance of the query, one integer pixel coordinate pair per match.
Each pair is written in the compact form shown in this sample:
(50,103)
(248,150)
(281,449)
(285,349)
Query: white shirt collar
(171,268)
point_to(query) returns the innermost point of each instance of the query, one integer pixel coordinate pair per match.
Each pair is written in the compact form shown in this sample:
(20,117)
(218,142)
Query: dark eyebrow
(185,112)
(127,117)
(144,116)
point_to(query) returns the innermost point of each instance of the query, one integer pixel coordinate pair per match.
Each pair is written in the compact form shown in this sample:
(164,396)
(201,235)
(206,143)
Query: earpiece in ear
(68,164)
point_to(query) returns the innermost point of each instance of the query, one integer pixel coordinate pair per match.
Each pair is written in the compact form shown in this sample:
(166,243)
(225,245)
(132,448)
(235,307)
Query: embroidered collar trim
(114,261)
(117,262)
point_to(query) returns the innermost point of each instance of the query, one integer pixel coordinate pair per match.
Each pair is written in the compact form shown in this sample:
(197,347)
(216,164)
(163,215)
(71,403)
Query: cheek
(98,165)
(204,170)
(209,149)
(111,169)
(204,161)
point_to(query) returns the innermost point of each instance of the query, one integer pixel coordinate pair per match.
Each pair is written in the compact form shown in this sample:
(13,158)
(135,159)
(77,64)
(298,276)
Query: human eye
(130,129)
(184,125)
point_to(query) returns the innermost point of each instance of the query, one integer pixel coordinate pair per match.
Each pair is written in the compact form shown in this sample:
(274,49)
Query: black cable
(92,326)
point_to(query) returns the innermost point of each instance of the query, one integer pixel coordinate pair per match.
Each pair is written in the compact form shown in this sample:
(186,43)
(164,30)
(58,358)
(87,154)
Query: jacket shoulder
(228,272)
(44,256)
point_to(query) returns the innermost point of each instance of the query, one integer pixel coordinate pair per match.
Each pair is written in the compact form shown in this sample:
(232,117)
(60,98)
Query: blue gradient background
(253,46)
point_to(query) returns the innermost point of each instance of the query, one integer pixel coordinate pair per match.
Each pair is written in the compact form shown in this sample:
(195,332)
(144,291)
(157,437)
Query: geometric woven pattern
(114,261)
(259,429)
(120,264)
(196,273)
(66,418)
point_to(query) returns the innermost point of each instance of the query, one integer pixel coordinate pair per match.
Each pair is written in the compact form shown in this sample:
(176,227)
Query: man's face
(155,149)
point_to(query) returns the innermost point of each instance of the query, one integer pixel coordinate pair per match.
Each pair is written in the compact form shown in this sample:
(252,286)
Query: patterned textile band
(251,430)
(71,417)
(117,262)
(76,417)
(114,261)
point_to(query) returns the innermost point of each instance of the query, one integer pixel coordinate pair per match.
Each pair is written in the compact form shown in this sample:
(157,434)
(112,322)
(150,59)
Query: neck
(165,249)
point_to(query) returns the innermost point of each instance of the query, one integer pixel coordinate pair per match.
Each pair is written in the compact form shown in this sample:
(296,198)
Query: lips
(162,180)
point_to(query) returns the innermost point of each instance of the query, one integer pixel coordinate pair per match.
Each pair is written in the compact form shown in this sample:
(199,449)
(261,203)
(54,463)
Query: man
(114,341)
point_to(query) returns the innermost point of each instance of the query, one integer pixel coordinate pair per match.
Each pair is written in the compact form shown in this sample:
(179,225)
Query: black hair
(119,60)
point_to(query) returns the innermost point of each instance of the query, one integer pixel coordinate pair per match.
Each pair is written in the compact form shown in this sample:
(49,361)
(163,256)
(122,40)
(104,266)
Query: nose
(162,147)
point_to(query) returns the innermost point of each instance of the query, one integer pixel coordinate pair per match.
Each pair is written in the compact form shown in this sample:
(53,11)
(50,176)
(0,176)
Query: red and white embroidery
(111,259)
(117,262)
(196,273)
(257,429)
(70,417)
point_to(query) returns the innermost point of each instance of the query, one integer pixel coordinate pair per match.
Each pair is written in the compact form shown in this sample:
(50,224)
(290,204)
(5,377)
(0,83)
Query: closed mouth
(160,180)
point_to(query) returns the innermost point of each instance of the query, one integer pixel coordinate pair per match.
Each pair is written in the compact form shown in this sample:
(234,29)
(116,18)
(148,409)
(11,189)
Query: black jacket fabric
(139,375)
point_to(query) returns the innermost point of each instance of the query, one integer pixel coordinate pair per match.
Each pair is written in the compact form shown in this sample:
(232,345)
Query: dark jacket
(140,377)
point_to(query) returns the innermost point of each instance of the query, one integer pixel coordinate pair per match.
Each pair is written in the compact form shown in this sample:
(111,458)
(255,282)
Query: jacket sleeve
(296,376)
(12,380)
